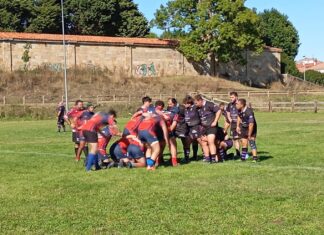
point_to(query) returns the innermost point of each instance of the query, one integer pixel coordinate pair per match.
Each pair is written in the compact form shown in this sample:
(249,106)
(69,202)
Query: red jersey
(123,144)
(75,114)
(131,127)
(98,120)
(148,123)
(170,118)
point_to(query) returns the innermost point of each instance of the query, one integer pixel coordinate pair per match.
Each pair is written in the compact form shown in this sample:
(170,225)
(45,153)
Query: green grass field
(43,191)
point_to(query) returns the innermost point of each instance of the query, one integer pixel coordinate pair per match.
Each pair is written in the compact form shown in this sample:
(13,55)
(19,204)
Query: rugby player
(71,118)
(104,136)
(89,131)
(192,120)
(148,136)
(60,117)
(224,143)
(247,129)
(232,114)
(209,115)
(85,116)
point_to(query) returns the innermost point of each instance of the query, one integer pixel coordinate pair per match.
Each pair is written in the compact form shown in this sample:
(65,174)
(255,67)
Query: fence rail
(268,104)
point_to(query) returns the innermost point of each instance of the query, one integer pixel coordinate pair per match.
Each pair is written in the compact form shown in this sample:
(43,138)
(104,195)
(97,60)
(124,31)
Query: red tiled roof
(88,39)
(319,66)
(98,39)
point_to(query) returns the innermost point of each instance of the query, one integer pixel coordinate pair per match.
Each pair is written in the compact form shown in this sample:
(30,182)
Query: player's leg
(195,148)
(186,148)
(173,150)
(137,155)
(204,145)
(212,147)
(244,144)
(92,159)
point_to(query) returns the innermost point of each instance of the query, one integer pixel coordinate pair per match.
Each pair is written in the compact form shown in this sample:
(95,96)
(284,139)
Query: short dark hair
(199,97)
(188,100)
(221,104)
(234,93)
(146,99)
(159,103)
(242,101)
(112,112)
(173,100)
(78,101)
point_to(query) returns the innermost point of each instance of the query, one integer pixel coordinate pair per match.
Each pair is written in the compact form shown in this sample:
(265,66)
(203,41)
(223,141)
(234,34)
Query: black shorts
(90,136)
(60,121)
(245,132)
(75,137)
(159,134)
(195,132)
(211,130)
(182,131)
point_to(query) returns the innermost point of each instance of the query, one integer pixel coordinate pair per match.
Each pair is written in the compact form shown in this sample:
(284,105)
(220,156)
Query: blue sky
(306,15)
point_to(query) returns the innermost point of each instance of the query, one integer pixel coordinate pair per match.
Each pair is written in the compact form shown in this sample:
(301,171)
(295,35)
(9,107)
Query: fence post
(270,106)
(24,100)
(293,103)
(129,99)
(248,94)
(80,97)
(43,99)
(4,100)
(315,106)
(97,99)
(114,97)
(268,93)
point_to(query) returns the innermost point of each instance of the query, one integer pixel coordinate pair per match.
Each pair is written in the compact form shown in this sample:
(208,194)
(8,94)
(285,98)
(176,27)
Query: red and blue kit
(147,130)
(74,115)
(90,128)
(119,149)
(104,137)
(131,127)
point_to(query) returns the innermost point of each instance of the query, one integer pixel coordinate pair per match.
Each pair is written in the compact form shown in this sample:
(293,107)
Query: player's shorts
(90,136)
(81,136)
(135,151)
(116,152)
(75,137)
(172,134)
(195,132)
(229,144)
(245,132)
(211,130)
(146,137)
(234,133)
(60,121)
(182,131)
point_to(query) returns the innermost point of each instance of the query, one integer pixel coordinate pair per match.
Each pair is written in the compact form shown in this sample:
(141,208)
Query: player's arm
(165,131)
(238,129)
(251,125)
(228,114)
(138,113)
(226,126)
(217,117)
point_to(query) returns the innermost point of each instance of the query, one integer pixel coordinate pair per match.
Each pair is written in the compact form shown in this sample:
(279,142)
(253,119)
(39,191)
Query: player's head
(90,107)
(172,102)
(188,101)
(233,96)
(199,101)
(159,105)
(112,113)
(222,106)
(147,101)
(241,104)
(79,104)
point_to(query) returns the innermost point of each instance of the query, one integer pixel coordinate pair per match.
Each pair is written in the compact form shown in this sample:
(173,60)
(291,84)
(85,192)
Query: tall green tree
(278,31)
(90,17)
(216,28)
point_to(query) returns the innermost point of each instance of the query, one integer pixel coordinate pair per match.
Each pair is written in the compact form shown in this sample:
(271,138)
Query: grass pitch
(43,191)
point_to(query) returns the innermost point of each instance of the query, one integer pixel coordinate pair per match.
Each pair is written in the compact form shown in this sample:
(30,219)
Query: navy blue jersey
(247,117)
(231,108)
(192,117)
(86,115)
(61,111)
(207,113)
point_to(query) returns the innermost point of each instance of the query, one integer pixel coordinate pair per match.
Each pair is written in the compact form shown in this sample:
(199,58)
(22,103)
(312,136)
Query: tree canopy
(219,28)
(95,17)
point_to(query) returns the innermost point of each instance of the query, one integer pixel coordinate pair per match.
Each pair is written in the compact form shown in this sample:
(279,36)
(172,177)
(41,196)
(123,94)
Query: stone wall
(134,60)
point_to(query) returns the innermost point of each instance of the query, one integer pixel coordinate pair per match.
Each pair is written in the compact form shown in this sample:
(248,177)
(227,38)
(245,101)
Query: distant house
(309,64)
(319,67)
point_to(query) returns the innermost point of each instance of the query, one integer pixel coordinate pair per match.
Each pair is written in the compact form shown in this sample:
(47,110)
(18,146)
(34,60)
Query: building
(307,64)
(131,57)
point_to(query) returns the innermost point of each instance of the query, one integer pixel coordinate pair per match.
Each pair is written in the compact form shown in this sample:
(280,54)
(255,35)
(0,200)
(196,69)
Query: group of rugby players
(153,127)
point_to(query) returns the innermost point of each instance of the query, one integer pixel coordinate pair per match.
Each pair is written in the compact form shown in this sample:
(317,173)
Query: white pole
(304,68)
(64,47)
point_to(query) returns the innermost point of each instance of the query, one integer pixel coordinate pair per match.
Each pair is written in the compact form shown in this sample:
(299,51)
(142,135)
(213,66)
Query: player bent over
(104,136)
(224,143)
(148,136)
(89,131)
(247,129)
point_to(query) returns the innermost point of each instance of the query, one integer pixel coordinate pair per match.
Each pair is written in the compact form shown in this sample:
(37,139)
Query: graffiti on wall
(146,70)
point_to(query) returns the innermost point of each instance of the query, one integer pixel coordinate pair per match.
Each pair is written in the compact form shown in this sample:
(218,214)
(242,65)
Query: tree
(216,28)
(95,17)
(278,31)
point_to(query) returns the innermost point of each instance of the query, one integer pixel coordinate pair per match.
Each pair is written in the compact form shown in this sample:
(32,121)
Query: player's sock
(207,159)
(150,162)
(243,154)
(238,153)
(255,158)
(76,152)
(90,161)
(195,150)
(186,153)
(96,162)
(222,153)
(213,158)
(174,161)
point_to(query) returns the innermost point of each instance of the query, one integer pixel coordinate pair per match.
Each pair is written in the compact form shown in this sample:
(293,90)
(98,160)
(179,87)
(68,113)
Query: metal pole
(64,47)
(304,72)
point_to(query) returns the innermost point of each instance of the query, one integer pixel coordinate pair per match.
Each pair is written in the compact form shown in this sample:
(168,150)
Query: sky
(306,15)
